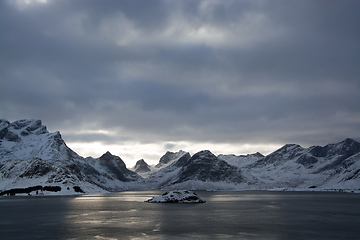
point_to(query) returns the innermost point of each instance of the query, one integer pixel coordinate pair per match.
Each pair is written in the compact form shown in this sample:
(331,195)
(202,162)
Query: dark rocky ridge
(117,168)
(7,129)
(179,157)
(141,166)
(205,166)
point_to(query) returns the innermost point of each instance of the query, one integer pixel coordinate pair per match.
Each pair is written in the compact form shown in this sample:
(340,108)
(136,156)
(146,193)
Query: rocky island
(183,196)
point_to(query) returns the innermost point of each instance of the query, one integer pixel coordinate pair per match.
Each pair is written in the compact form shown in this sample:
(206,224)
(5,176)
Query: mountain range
(34,161)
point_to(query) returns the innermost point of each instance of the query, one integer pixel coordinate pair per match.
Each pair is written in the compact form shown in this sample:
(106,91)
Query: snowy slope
(169,158)
(293,167)
(31,156)
(26,139)
(32,159)
(110,173)
(169,163)
(241,160)
(334,166)
(180,196)
(200,172)
(168,167)
(205,166)
(141,167)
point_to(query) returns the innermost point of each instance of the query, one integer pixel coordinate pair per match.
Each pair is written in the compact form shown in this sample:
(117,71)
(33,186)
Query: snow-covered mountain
(31,156)
(33,160)
(141,167)
(202,171)
(332,166)
(110,173)
(241,160)
(206,167)
(166,170)
(27,139)
(168,164)
(179,158)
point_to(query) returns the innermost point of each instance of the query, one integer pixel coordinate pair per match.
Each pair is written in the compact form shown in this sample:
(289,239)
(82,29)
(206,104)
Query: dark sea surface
(225,215)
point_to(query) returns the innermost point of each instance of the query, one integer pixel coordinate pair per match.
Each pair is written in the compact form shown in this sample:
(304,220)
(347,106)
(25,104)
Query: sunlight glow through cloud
(130,152)
(24,4)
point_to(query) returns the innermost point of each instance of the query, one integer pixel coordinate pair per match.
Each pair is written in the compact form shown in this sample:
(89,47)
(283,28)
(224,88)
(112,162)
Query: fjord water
(225,215)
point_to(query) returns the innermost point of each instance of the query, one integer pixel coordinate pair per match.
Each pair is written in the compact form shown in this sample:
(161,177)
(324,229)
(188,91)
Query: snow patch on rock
(181,196)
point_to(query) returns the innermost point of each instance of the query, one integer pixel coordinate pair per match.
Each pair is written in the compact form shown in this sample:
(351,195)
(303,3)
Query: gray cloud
(220,71)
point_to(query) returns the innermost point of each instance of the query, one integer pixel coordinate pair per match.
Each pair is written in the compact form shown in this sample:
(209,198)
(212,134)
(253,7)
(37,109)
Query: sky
(139,78)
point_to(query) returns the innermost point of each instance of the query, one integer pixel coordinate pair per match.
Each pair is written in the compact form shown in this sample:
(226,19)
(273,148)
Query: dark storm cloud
(220,71)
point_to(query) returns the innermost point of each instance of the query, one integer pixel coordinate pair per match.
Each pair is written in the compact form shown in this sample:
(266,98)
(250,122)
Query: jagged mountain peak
(257,154)
(288,151)
(4,123)
(204,166)
(141,166)
(16,130)
(117,167)
(202,155)
(241,160)
(24,127)
(29,124)
(28,138)
(141,161)
(289,146)
(348,146)
(349,141)
(108,157)
(179,157)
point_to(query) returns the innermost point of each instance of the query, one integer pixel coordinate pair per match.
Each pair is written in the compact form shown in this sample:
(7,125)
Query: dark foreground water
(226,215)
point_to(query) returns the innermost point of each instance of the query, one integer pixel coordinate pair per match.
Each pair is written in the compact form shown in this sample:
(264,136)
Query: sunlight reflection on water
(238,196)
(129,196)
(225,215)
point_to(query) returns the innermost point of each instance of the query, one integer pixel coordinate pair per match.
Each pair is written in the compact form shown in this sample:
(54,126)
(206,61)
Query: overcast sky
(139,78)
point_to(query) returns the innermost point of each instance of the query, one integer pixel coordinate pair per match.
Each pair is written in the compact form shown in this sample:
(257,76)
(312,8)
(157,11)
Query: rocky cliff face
(115,166)
(141,167)
(206,167)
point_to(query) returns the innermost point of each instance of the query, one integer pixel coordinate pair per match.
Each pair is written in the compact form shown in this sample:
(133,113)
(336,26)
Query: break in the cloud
(142,77)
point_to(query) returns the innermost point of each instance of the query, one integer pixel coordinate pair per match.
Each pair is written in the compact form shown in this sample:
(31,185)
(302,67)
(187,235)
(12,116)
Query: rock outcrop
(180,196)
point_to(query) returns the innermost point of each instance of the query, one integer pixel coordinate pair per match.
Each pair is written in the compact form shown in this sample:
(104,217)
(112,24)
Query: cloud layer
(171,74)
